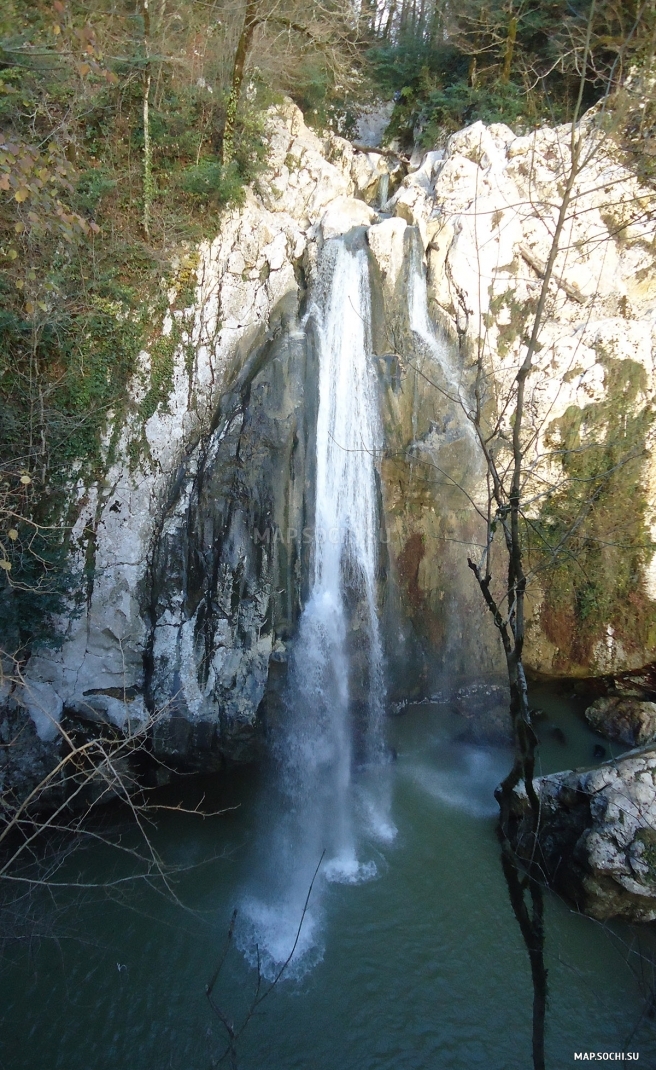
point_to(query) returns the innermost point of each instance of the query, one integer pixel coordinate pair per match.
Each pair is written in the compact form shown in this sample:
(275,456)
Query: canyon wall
(193,550)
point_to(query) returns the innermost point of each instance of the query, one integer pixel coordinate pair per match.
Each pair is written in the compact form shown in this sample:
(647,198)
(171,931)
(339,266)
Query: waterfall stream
(335,699)
(420,323)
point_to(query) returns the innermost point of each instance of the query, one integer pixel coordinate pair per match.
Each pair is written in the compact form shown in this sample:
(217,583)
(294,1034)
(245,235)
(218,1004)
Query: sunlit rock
(597,841)
(387,243)
(628,720)
(345,213)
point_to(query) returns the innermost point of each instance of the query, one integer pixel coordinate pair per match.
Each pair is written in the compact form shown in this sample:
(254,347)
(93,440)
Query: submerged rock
(597,838)
(557,733)
(627,720)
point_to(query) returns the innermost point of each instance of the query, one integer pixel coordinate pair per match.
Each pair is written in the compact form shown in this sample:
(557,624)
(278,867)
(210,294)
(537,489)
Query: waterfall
(345,558)
(335,696)
(420,321)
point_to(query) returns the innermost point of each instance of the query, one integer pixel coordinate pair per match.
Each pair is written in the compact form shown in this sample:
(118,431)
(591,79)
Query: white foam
(349,871)
(269,931)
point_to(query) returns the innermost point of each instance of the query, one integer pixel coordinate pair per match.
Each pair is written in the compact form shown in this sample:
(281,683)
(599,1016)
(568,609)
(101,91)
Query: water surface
(421,967)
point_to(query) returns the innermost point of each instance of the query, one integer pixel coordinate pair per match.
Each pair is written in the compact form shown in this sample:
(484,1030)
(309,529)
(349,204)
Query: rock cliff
(486,210)
(193,540)
(193,547)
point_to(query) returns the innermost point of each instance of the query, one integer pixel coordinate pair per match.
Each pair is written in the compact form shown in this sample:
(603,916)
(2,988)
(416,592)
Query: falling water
(420,321)
(336,681)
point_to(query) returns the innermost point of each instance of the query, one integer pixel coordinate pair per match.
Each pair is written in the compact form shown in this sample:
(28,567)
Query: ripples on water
(422,968)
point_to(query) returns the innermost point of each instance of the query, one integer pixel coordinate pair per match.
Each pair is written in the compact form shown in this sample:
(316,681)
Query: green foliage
(444,110)
(519,314)
(324,105)
(514,63)
(438,99)
(209,180)
(411,64)
(92,185)
(647,836)
(162,353)
(599,515)
(80,283)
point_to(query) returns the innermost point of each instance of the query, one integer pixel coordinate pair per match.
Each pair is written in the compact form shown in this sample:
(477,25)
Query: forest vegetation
(126,126)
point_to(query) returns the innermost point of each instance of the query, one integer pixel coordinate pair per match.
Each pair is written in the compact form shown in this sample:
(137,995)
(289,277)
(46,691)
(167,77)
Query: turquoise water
(421,967)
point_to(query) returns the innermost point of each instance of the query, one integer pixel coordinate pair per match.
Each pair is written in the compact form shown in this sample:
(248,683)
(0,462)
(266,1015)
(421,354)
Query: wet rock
(627,720)
(598,752)
(25,757)
(195,571)
(557,733)
(227,564)
(597,840)
(157,622)
(640,684)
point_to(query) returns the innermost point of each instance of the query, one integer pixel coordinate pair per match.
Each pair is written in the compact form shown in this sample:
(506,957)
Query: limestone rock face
(193,552)
(189,581)
(485,210)
(628,720)
(343,215)
(437,629)
(597,836)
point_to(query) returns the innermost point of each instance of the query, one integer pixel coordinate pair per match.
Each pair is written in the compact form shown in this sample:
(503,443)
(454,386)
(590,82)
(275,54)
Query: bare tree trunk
(422,20)
(524,876)
(437,24)
(148,186)
(510,48)
(403,23)
(251,22)
(390,20)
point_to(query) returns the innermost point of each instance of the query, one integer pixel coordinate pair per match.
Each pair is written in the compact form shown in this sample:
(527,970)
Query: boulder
(627,720)
(345,213)
(597,838)
(387,243)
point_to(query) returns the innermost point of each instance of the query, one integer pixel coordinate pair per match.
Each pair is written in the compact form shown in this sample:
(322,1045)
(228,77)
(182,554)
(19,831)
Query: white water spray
(421,324)
(335,710)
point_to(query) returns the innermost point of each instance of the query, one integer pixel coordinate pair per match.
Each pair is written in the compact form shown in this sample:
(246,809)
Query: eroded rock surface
(179,617)
(485,209)
(191,550)
(597,837)
(628,720)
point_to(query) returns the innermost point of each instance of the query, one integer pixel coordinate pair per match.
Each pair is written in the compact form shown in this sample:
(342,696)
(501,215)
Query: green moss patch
(591,542)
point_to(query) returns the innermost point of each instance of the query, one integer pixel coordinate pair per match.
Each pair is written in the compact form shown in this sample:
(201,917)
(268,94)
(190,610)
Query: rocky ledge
(597,838)
(628,720)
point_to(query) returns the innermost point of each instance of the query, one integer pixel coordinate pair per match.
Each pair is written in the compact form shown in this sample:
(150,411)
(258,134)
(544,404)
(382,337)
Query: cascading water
(336,685)
(419,319)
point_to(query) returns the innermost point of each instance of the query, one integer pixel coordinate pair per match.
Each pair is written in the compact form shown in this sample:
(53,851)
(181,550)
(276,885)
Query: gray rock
(25,757)
(627,720)
(597,838)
